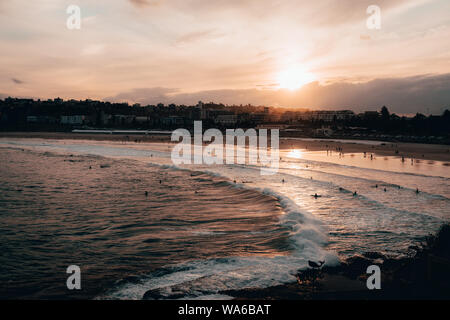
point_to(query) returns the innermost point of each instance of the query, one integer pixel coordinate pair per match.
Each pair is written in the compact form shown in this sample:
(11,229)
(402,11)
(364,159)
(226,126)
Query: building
(42,119)
(327,116)
(212,114)
(258,118)
(123,119)
(172,121)
(142,119)
(227,119)
(324,132)
(74,120)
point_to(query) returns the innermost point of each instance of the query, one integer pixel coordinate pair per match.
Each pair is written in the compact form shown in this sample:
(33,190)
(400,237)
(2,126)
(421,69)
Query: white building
(78,119)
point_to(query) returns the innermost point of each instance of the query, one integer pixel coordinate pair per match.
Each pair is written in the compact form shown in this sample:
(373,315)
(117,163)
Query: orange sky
(231,51)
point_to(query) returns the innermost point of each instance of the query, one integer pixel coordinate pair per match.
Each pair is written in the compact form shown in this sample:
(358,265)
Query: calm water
(197,232)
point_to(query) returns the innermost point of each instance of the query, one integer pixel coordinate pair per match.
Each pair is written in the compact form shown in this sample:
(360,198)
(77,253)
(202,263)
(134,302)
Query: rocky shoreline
(423,274)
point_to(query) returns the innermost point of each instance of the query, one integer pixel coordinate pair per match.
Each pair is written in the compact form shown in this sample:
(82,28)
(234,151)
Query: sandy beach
(408,150)
(268,227)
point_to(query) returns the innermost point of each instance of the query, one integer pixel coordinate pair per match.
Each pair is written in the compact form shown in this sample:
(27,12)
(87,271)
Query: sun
(294,78)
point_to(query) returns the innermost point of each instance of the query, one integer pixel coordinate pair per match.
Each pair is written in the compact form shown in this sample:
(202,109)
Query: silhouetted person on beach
(417,191)
(355,194)
(146,193)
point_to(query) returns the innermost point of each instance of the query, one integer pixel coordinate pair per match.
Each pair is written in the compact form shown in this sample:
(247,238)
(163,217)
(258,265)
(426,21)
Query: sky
(310,54)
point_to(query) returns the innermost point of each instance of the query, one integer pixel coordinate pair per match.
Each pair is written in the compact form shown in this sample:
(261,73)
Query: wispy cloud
(16,81)
(196,36)
(224,49)
(144,3)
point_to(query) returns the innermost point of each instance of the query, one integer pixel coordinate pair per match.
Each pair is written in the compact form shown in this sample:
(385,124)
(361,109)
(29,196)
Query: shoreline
(419,151)
(346,281)
(421,275)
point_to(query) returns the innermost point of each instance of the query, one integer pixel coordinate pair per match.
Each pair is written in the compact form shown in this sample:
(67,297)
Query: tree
(385,113)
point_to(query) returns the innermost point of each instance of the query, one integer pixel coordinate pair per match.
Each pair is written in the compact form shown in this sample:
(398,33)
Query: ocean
(134,222)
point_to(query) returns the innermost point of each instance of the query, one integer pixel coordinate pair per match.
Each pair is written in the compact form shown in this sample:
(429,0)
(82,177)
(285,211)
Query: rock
(153,295)
(356,266)
(374,255)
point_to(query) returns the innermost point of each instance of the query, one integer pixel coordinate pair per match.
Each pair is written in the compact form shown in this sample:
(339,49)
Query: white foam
(207,278)
(212,277)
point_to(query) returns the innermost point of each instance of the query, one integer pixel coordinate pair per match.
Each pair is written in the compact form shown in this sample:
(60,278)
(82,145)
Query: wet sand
(408,150)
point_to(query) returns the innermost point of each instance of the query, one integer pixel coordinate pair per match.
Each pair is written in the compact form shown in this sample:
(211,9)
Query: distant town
(68,115)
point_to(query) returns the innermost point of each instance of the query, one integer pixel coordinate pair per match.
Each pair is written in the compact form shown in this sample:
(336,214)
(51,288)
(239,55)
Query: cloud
(195,36)
(424,93)
(17,81)
(204,45)
(144,95)
(93,49)
(144,3)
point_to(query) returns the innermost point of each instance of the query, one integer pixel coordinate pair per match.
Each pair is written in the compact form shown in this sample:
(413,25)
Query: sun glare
(295,153)
(294,78)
